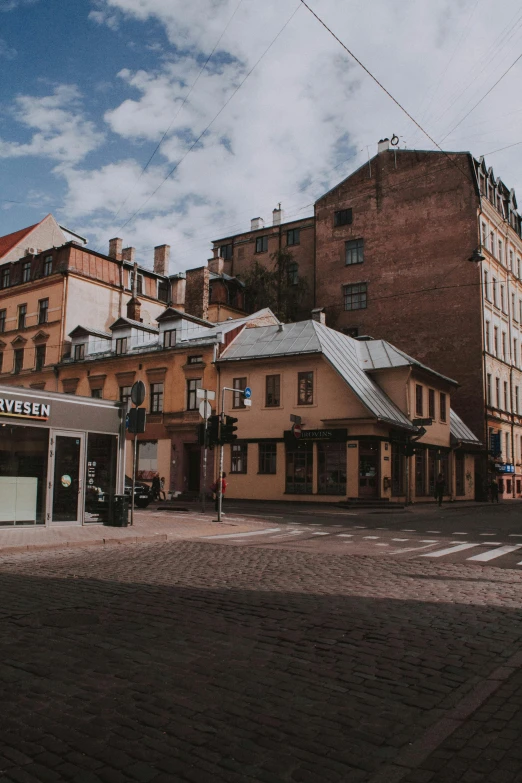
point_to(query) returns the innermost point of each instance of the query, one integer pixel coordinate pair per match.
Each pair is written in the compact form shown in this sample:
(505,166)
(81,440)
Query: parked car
(142,492)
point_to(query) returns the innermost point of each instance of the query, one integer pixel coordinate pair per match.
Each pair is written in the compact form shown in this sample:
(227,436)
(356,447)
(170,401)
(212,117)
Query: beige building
(358,401)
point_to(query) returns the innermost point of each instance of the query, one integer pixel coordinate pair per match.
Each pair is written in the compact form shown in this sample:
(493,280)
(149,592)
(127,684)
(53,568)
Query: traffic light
(407,449)
(212,431)
(228,429)
(136,420)
(201,430)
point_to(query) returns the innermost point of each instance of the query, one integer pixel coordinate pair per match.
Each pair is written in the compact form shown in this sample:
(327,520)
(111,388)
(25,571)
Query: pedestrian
(439,488)
(156,487)
(494,490)
(162,489)
(215,488)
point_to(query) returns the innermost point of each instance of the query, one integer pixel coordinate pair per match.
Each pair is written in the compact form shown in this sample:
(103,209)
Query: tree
(277,286)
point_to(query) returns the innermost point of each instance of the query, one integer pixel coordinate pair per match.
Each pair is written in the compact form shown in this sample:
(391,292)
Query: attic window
(169,338)
(139,286)
(79,352)
(343,217)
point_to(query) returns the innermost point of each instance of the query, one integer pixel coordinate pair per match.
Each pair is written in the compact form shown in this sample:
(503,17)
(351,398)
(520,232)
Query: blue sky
(89,88)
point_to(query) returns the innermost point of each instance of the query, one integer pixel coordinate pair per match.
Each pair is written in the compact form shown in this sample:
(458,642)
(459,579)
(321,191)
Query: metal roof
(308,337)
(81,330)
(461,432)
(380,354)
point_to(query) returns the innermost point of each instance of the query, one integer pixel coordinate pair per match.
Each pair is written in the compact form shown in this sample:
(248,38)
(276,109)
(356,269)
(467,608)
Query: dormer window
(79,352)
(26,271)
(139,286)
(121,345)
(48,266)
(169,338)
(6,277)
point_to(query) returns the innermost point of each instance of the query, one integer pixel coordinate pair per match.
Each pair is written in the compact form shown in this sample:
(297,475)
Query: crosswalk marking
(317,533)
(428,541)
(382,545)
(449,550)
(487,534)
(345,535)
(373,538)
(407,530)
(459,534)
(491,554)
(400,539)
(515,535)
(433,531)
(244,535)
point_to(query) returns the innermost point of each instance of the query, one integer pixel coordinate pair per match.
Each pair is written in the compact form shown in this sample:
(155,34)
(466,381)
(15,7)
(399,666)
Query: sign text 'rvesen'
(25,410)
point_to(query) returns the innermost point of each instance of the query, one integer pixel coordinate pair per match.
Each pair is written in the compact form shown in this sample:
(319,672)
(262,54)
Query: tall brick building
(387,254)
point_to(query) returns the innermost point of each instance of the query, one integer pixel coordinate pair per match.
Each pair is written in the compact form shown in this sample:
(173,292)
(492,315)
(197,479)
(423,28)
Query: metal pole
(205,450)
(220,475)
(134,453)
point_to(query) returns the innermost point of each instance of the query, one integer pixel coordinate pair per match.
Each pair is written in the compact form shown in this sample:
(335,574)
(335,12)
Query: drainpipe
(62,323)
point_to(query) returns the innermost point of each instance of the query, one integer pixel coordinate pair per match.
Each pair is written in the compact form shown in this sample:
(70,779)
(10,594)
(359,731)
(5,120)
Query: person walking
(494,490)
(439,488)
(215,488)
(156,487)
(162,493)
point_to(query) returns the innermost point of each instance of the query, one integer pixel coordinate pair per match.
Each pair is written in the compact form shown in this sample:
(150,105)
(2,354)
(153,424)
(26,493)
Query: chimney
(216,265)
(383,145)
(277,215)
(128,254)
(161,259)
(134,304)
(256,223)
(197,291)
(115,248)
(319,315)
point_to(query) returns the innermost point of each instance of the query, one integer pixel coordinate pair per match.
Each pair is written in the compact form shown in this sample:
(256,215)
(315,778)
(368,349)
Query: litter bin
(118,516)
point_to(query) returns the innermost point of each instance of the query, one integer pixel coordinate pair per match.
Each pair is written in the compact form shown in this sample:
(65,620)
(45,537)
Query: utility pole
(226,435)
(205,411)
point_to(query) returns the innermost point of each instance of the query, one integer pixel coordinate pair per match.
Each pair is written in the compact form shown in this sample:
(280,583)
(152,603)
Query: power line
(501,149)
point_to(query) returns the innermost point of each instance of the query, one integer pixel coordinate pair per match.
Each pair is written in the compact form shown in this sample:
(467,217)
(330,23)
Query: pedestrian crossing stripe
(493,553)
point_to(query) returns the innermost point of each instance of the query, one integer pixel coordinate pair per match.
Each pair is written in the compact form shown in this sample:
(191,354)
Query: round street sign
(204,409)
(138,392)
(247,392)
(296,429)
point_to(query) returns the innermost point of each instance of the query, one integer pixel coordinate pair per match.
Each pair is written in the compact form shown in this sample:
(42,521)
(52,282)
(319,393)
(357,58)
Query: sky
(175,122)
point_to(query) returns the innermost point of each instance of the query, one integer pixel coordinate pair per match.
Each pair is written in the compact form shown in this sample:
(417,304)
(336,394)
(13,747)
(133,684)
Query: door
(66,485)
(194,468)
(368,469)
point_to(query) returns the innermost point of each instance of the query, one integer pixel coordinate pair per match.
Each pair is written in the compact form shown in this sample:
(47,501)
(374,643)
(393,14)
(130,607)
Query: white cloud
(12,5)
(60,132)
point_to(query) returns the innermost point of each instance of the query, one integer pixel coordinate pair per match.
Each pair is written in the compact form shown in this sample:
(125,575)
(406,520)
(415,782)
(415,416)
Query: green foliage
(277,286)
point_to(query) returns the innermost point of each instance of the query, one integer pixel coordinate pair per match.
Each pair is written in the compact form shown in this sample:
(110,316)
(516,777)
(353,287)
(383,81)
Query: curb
(13,550)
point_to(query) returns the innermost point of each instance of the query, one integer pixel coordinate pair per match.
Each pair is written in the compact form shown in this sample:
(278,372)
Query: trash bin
(118,515)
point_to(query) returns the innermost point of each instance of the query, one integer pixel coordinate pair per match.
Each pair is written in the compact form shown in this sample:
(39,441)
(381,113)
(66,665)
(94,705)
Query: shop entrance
(368,469)
(66,493)
(193,456)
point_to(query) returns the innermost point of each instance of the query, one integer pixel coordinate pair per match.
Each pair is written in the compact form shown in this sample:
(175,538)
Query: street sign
(203,394)
(247,393)
(138,392)
(295,418)
(247,403)
(204,409)
(296,429)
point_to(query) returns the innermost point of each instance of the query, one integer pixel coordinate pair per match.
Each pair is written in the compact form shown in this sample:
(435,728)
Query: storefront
(60,458)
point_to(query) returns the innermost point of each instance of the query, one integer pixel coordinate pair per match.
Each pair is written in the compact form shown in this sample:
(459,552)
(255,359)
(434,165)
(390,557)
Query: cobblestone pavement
(194,661)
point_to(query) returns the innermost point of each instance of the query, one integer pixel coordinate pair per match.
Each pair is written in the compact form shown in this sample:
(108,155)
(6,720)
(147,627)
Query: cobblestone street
(192,661)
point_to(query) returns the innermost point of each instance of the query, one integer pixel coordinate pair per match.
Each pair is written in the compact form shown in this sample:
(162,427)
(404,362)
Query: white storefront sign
(24,410)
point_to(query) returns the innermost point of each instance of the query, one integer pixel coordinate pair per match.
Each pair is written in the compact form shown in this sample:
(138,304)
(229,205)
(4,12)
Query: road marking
(515,535)
(400,539)
(433,531)
(291,533)
(409,549)
(382,545)
(487,534)
(407,530)
(450,550)
(244,535)
(381,528)
(493,553)
(359,527)
(345,535)
(429,541)
(373,538)
(459,534)
(317,533)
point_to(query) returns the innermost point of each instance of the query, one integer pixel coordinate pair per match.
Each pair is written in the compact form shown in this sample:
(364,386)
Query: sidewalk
(148,527)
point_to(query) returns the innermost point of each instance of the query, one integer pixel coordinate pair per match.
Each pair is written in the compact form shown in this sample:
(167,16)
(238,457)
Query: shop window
(238,399)
(459,475)
(299,469)
(273,391)
(48,266)
(442,406)
(147,459)
(156,397)
(356,296)
(305,388)
(420,474)
(354,251)
(3,314)
(418,400)
(18,364)
(121,345)
(100,476)
(23,475)
(192,400)
(268,458)
(432,471)
(331,460)
(293,237)
(79,352)
(397,471)
(343,217)
(22,315)
(169,338)
(39,357)
(238,456)
(43,311)
(261,244)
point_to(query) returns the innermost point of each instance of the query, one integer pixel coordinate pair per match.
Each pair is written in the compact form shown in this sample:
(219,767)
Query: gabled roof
(380,354)
(172,314)
(9,241)
(120,323)
(460,432)
(84,331)
(309,337)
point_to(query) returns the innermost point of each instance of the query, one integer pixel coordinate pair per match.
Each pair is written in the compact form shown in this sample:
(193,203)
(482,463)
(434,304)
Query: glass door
(66,490)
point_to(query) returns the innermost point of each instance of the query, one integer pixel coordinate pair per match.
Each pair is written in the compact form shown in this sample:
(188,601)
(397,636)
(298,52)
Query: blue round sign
(247,392)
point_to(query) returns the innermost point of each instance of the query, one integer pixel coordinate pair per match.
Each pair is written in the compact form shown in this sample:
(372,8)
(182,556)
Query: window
(125,396)
(238,454)
(292,273)
(488,336)
(355,296)
(273,391)
(488,388)
(495,339)
(261,244)
(511,265)
(225,251)
(6,277)
(494,287)
(299,469)
(194,360)
(431,403)
(22,313)
(192,400)
(96,393)
(500,251)
(238,399)
(3,314)
(502,303)
(484,236)
(43,311)
(508,454)
(39,357)
(486,284)
(121,345)
(147,458)
(518,268)
(343,217)
(506,397)
(517,399)
(331,461)
(156,397)
(442,406)
(504,346)
(163,290)
(420,473)
(169,338)
(515,352)
(292,236)
(305,388)
(268,457)
(139,283)
(48,266)
(18,360)
(26,271)
(492,243)
(79,352)
(513,309)
(418,400)
(497,390)
(354,251)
